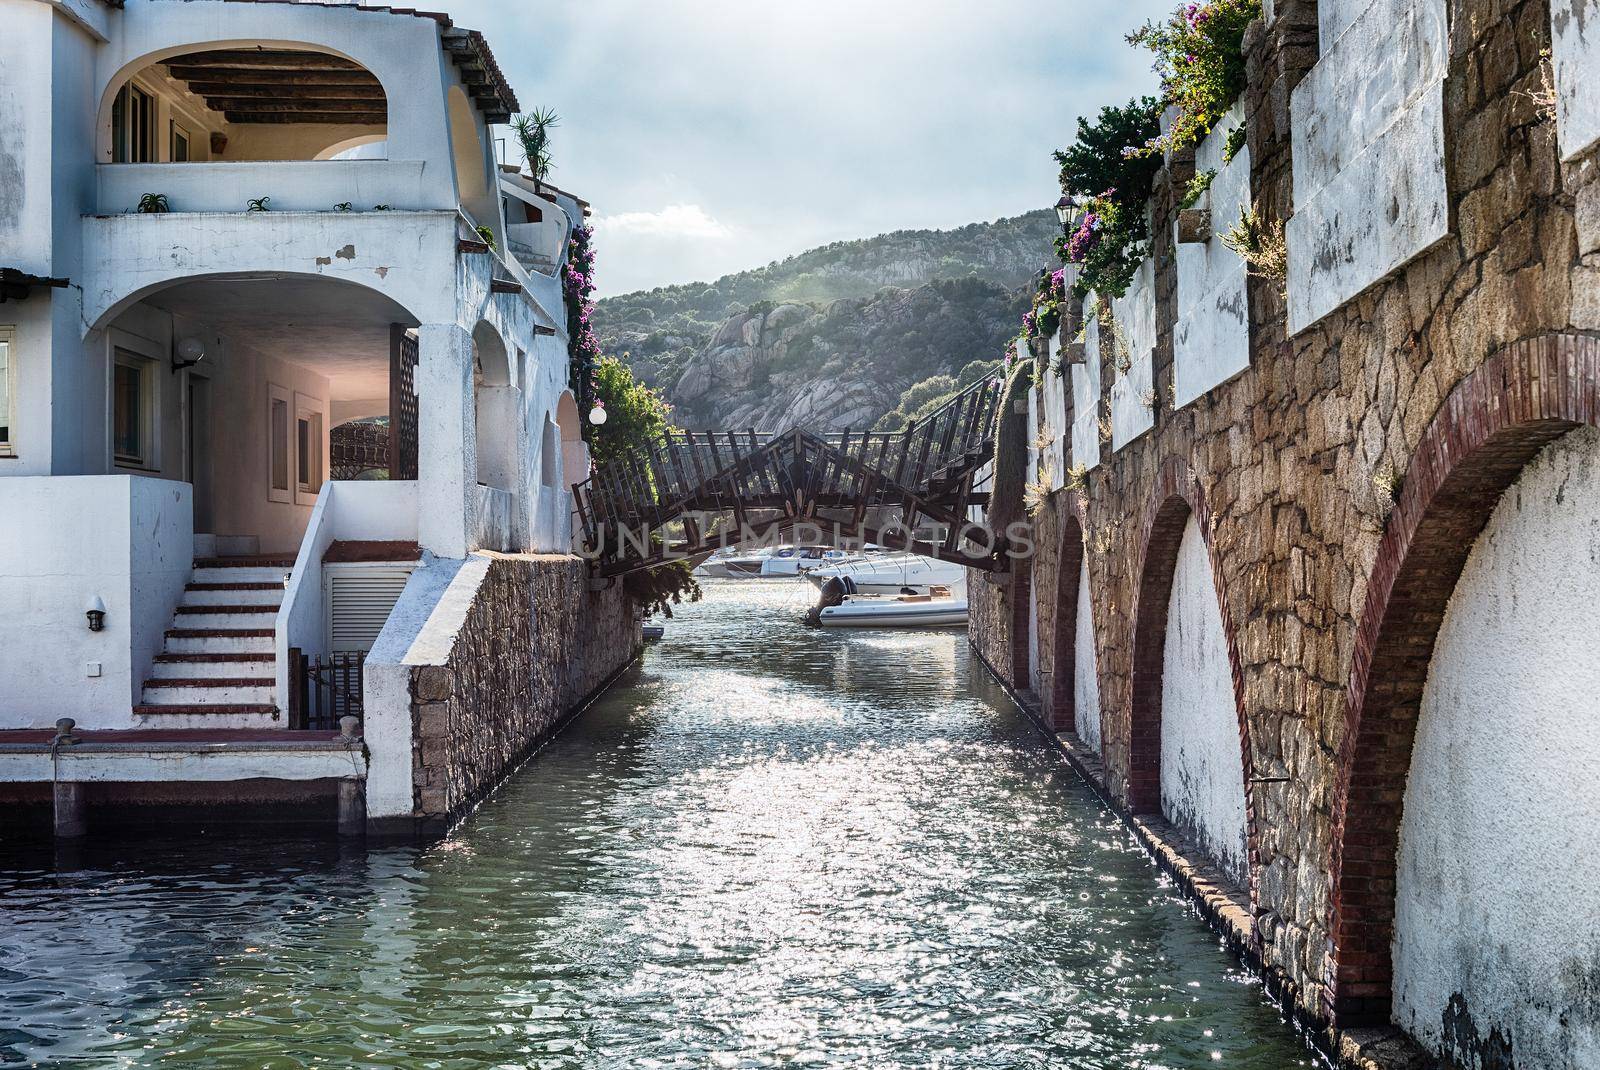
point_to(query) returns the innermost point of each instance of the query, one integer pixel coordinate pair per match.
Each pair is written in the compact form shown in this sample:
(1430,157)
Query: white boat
(939,608)
(892,573)
(769,563)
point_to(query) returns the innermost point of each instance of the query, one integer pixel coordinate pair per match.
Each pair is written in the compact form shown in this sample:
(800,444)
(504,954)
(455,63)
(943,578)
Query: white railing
(290,185)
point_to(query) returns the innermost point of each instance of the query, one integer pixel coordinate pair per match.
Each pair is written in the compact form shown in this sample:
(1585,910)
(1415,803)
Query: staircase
(218,669)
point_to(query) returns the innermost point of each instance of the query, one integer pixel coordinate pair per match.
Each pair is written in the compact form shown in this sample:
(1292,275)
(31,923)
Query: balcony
(290,185)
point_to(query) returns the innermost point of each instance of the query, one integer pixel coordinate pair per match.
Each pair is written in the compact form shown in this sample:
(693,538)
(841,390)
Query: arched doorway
(496,409)
(1075,699)
(1467,730)
(1189,754)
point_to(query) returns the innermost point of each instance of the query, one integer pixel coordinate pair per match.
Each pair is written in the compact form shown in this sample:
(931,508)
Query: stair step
(225,617)
(223,594)
(248,691)
(251,574)
(253,561)
(169,669)
(225,607)
(232,642)
(178,715)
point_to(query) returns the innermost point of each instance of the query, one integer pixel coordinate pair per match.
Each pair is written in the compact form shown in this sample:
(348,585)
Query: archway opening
(1071,591)
(1023,615)
(472,162)
(1474,649)
(497,407)
(241,104)
(1189,754)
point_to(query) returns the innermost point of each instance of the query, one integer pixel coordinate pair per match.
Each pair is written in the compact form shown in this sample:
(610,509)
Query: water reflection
(770,846)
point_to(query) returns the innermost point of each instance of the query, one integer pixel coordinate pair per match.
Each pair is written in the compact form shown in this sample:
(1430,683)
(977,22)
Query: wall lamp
(191,351)
(597,415)
(96,613)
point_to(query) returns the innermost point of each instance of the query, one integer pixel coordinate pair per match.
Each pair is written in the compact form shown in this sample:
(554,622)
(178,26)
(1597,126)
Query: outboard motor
(834,592)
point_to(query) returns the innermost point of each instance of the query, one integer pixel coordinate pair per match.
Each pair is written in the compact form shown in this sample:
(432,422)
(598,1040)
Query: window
(133,116)
(278,411)
(180,144)
(7,395)
(133,430)
(307,449)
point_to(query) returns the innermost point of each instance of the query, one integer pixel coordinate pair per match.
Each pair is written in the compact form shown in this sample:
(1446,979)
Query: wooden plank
(231,77)
(320,118)
(275,59)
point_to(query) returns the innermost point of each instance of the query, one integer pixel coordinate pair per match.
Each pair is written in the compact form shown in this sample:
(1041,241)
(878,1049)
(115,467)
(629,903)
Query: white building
(182,389)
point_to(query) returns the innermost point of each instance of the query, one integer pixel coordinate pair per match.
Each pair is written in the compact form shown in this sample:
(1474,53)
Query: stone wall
(1339,482)
(535,645)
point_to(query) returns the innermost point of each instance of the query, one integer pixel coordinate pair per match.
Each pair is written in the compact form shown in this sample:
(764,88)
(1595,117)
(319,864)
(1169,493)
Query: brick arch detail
(1069,561)
(1177,496)
(1493,423)
(1021,622)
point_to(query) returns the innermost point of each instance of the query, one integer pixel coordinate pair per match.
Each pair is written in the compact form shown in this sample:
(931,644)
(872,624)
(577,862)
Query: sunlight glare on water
(766,846)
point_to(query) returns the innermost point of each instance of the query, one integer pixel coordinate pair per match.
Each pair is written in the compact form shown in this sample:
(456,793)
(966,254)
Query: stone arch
(471,162)
(1177,500)
(1495,421)
(280,95)
(110,305)
(496,408)
(1064,714)
(333,151)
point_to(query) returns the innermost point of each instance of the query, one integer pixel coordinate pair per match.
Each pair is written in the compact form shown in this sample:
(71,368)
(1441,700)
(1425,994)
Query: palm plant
(533,130)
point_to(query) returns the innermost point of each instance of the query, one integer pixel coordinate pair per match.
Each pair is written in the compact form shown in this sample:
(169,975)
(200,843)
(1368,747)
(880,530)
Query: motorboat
(768,563)
(892,573)
(842,606)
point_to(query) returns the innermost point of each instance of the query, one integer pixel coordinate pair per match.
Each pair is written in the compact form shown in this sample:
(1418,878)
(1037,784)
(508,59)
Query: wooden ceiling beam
(232,100)
(241,76)
(253,59)
(311,117)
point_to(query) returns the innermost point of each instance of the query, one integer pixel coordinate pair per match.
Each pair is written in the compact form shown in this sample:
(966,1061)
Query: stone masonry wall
(535,646)
(1295,467)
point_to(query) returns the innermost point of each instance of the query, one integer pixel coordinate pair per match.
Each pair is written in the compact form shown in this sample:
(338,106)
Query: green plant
(636,416)
(1200,58)
(1109,181)
(153,204)
(1078,478)
(487,234)
(1236,141)
(1197,188)
(344,206)
(657,590)
(533,131)
(1260,245)
(258,204)
(380,208)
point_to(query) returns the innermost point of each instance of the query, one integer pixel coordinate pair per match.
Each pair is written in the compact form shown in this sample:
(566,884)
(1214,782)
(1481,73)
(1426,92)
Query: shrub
(1109,179)
(1200,58)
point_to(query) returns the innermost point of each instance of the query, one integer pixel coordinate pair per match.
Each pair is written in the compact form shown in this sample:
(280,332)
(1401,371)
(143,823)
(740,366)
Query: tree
(637,417)
(533,130)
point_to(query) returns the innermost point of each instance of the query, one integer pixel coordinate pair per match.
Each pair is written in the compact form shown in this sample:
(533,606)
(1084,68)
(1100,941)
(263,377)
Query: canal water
(768,846)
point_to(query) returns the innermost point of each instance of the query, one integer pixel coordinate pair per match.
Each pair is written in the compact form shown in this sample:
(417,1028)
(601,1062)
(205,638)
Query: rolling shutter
(359,603)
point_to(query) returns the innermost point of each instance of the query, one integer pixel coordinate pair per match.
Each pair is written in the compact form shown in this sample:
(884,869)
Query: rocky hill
(833,337)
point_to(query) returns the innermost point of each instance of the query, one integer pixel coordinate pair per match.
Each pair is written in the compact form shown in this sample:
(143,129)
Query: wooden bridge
(882,487)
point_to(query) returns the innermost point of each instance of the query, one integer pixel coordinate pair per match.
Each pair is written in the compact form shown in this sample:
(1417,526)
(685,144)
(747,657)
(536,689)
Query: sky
(717,135)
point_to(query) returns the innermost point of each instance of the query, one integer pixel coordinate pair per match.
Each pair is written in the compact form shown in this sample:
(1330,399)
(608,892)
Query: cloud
(674,221)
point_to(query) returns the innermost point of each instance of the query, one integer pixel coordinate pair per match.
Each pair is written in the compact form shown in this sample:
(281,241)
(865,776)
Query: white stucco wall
(1085,671)
(1211,340)
(1498,889)
(1135,314)
(1052,416)
(1202,772)
(129,541)
(1086,394)
(1367,131)
(1575,54)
